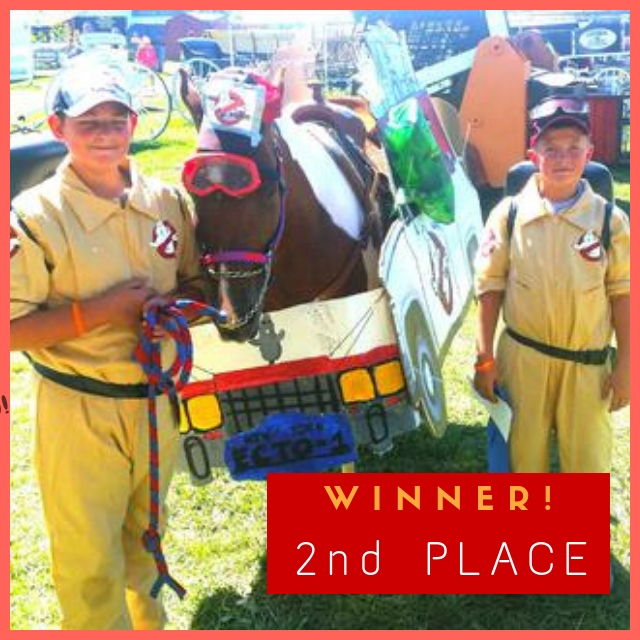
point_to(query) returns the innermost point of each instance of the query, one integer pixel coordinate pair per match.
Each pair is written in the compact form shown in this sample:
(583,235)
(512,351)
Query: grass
(216,545)
(621,175)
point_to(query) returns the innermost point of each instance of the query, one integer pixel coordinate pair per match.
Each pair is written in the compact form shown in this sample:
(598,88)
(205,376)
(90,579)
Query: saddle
(343,134)
(334,116)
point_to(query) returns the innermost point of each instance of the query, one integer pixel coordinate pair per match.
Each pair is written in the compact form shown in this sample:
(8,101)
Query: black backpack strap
(21,223)
(605,234)
(17,218)
(511,217)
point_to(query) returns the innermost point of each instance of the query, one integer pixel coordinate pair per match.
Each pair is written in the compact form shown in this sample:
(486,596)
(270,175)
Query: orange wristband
(78,319)
(484,366)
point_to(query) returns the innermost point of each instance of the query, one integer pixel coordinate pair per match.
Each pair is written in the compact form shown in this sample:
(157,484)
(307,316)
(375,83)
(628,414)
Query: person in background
(73,47)
(146,54)
(564,289)
(91,248)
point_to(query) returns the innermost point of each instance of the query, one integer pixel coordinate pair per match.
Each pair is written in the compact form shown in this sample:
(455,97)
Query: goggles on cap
(206,173)
(560,107)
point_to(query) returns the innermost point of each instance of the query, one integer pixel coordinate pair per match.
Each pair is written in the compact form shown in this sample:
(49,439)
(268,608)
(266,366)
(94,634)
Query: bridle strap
(209,260)
(254,257)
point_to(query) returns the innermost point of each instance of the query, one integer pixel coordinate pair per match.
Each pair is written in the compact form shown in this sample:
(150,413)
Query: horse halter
(247,180)
(237,176)
(235,170)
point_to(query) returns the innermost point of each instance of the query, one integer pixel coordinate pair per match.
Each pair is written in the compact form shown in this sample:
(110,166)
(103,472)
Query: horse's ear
(191,97)
(276,78)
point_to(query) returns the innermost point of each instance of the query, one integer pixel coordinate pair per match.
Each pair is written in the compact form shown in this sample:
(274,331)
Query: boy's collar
(531,206)
(94,210)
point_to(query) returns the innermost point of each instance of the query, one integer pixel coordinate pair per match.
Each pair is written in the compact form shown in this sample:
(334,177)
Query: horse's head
(235,179)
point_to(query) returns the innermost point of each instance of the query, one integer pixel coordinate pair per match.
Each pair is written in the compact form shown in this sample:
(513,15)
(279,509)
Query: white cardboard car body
(375,357)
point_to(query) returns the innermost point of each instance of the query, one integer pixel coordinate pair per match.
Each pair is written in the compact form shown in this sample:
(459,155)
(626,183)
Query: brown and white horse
(284,212)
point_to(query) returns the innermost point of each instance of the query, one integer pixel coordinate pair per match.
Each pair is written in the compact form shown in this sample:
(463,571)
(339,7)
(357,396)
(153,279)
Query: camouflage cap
(82,87)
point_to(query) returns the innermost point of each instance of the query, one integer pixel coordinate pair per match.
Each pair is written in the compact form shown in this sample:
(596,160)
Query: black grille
(246,408)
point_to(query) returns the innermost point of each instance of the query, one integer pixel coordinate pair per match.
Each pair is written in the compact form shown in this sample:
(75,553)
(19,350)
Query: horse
(286,202)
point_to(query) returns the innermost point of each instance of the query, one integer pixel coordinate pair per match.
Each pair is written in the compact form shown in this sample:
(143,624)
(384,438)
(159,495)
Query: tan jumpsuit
(91,452)
(558,281)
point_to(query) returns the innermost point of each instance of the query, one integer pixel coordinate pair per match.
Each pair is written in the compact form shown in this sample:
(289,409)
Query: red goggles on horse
(206,173)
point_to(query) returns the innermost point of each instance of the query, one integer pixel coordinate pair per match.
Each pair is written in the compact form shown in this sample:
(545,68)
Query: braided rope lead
(171,320)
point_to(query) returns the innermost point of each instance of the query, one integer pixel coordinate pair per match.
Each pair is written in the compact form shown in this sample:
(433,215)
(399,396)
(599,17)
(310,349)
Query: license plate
(290,442)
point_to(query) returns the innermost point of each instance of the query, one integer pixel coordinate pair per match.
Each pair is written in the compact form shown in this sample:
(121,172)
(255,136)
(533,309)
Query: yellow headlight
(184,421)
(356,386)
(389,378)
(201,413)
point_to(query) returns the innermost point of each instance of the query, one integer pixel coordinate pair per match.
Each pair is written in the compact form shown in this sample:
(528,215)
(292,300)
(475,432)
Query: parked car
(21,52)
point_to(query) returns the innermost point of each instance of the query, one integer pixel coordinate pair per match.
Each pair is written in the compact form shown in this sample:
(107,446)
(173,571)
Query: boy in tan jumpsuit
(563,295)
(89,248)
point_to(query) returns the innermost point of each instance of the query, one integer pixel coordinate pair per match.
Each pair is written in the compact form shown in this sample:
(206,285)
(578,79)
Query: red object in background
(146,55)
(605,113)
(558,544)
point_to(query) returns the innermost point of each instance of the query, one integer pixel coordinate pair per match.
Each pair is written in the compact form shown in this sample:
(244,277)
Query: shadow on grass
(226,609)
(461,450)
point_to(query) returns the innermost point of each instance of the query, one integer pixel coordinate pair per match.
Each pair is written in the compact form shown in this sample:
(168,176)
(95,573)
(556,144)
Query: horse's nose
(225,304)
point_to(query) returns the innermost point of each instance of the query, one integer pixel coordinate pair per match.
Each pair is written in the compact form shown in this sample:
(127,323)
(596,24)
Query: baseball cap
(556,112)
(82,87)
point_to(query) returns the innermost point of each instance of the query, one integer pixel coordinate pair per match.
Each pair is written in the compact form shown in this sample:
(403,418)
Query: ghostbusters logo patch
(165,239)
(230,110)
(488,243)
(14,242)
(589,246)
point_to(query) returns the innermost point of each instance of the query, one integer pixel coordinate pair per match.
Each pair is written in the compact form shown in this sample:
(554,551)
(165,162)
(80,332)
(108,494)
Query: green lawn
(217,542)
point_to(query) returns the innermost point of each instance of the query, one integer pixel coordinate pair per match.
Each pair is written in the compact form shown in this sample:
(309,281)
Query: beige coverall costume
(91,452)
(557,280)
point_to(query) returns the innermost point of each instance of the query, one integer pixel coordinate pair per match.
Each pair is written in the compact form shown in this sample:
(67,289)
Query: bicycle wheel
(149,93)
(28,122)
(199,69)
(151,100)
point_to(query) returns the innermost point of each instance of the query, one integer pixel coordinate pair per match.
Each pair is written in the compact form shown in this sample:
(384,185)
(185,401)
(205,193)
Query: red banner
(437,533)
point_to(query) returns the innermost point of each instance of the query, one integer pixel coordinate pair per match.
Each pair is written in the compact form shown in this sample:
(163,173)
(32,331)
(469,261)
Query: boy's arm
(618,383)
(616,386)
(486,373)
(491,270)
(121,305)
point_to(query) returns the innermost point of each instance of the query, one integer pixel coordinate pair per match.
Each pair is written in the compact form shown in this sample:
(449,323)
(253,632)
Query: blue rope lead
(148,354)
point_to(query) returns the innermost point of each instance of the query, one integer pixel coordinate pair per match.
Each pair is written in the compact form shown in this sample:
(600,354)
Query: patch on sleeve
(14,242)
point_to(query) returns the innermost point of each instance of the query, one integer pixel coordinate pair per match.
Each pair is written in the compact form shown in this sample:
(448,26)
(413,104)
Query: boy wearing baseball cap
(563,289)
(90,247)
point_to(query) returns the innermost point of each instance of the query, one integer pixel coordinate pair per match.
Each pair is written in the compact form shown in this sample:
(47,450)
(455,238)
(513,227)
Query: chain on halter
(171,320)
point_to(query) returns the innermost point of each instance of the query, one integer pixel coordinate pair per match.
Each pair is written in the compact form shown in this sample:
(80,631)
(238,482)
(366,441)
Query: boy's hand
(157,301)
(484,381)
(617,384)
(124,303)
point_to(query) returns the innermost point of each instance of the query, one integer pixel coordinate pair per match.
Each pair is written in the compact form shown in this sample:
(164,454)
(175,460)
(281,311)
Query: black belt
(92,386)
(588,356)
